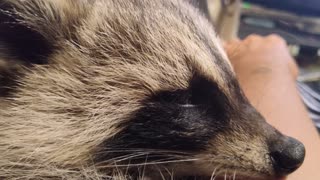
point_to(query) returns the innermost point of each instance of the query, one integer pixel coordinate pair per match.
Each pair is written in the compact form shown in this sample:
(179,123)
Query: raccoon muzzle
(287,155)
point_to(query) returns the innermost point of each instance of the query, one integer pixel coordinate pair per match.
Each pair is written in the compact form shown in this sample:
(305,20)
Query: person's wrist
(265,74)
(264,82)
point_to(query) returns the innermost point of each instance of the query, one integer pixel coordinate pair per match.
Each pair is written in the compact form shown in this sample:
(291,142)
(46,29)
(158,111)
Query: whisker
(127,169)
(106,150)
(162,175)
(149,156)
(234,175)
(122,158)
(151,163)
(144,167)
(213,174)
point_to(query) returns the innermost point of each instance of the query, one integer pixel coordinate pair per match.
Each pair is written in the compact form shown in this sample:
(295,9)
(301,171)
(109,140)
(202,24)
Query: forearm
(277,98)
(267,74)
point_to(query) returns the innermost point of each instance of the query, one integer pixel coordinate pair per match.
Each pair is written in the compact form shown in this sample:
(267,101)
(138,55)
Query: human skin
(267,74)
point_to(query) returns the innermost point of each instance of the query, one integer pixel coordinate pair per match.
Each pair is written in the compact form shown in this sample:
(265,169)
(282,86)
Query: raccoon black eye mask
(119,89)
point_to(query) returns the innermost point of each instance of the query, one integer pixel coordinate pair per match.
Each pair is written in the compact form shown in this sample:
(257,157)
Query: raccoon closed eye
(181,98)
(200,93)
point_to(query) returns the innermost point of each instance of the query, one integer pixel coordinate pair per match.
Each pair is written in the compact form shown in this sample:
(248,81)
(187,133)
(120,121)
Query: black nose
(287,155)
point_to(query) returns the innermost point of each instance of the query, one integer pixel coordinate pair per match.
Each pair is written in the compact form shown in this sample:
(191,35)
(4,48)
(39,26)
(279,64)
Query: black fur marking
(19,46)
(8,81)
(182,120)
(22,42)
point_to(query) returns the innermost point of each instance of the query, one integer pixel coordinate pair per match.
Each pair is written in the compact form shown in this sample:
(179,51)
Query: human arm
(267,75)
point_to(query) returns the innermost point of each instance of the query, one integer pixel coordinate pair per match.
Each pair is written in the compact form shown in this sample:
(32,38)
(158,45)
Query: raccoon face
(91,88)
(201,131)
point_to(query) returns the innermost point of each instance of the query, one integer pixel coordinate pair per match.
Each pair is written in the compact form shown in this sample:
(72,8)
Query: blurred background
(297,21)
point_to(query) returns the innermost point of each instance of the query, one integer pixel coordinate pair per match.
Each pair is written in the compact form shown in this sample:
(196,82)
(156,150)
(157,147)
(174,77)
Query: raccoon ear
(19,38)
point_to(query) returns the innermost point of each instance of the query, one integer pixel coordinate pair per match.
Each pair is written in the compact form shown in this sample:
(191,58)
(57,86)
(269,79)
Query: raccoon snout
(287,155)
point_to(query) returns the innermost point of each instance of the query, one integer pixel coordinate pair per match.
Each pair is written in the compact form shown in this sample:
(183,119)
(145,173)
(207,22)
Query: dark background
(304,7)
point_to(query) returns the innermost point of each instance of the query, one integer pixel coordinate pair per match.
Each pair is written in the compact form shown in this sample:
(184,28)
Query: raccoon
(126,89)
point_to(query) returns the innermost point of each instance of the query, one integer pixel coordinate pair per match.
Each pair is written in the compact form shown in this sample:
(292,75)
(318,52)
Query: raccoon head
(94,87)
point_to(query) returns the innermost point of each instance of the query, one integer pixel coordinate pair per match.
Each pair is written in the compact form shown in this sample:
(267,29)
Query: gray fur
(108,57)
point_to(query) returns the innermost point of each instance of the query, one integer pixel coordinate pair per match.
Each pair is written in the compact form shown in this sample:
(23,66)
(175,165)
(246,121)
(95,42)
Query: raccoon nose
(287,155)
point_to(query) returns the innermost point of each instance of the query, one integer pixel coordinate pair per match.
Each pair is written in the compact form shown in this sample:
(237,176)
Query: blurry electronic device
(299,29)
(302,7)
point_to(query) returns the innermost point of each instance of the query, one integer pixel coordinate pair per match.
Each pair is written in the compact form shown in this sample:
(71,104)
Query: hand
(257,55)
(267,75)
